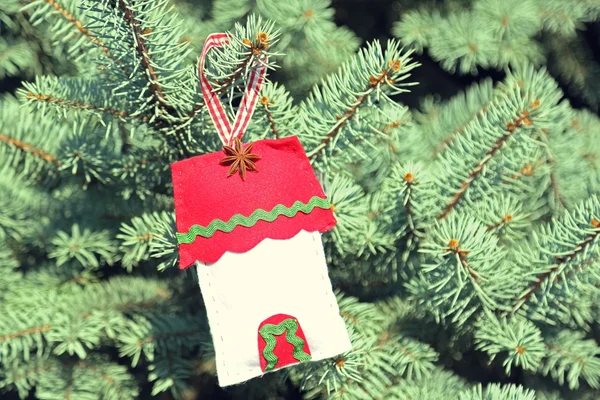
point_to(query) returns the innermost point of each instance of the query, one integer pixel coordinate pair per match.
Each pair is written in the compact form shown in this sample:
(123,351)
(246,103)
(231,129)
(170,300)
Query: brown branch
(454,247)
(462,255)
(374,82)
(30,149)
(142,51)
(511,127)
(26,332)
(457,197)
(265,102)
(82,106)
(504,221)
(151,75)
(541,278)
(84,31)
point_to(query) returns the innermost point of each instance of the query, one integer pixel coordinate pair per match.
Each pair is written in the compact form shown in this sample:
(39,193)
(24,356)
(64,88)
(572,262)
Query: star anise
(239,158)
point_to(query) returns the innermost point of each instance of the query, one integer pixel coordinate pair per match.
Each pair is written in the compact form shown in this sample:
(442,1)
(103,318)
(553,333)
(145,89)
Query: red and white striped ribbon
(215,108)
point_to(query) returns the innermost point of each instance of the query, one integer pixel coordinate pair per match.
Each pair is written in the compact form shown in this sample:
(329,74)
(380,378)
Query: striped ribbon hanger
(227,134)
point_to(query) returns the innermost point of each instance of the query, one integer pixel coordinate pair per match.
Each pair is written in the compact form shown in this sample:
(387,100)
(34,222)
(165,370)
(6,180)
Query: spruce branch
(368,79)
(506,217)
(349,114)
(264,101)
(462,272)
(226,84)
(250,44)
(170,373)
(374,83)
(31,147)
(160,335)
(83,30)
(561,262)
(141,48)
(25,147)
(38,97)
(512,126)
(570,356)
(561,265)
(519,338)
(25,332)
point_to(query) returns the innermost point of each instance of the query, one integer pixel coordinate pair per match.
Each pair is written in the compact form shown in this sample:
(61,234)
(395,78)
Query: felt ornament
(250,219)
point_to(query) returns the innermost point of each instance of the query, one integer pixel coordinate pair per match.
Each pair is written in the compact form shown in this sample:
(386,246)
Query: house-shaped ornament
(256,244)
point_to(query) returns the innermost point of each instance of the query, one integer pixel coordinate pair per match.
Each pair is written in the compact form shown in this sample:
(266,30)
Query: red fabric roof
(203,193)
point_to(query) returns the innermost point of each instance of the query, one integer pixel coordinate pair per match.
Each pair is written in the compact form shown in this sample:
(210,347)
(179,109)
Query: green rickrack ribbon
(258,215)
(268,333)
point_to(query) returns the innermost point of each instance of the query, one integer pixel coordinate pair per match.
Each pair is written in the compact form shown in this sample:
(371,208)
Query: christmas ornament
(250,218)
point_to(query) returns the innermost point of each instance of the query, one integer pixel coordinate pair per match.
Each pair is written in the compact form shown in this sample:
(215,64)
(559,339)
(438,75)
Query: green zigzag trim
(258,215)
(268,332)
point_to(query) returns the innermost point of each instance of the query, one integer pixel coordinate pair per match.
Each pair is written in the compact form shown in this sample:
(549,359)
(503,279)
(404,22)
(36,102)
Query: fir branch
(26,332)
(343,119)
(144,55)
(264,101)
(511,128)
(28,148)
(81,106)
(580,248)
(329,116)
(84,31)
(453,246)
(505,220)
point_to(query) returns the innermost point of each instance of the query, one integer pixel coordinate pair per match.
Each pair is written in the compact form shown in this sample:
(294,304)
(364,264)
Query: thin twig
(541,278)
(511,128)
(30,149)
(86,32)
(271,121)
(82,106)
(26,332)
(349,114)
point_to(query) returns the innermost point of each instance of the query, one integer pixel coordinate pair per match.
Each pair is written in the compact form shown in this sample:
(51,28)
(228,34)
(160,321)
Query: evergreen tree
(468,239)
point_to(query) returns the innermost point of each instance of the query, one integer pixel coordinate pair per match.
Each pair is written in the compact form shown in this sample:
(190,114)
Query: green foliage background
(466,255)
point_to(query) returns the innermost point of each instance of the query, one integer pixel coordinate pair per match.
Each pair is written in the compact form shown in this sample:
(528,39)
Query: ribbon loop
(227,132)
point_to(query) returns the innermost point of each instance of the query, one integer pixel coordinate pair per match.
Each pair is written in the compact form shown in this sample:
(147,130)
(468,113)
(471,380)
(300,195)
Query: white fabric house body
(293,281)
